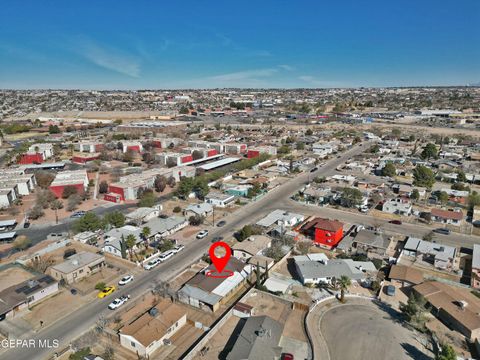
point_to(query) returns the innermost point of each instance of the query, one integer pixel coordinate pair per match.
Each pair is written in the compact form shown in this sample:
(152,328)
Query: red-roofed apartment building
(324,232)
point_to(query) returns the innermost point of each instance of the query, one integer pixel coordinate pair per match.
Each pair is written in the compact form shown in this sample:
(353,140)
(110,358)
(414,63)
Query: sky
(148,44)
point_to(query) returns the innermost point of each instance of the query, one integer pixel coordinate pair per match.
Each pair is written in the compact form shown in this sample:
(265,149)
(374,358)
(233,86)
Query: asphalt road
(67,329)
(365,332)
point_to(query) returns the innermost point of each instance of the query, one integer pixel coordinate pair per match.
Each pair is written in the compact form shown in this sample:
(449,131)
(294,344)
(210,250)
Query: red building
(186,158)
(253,153)
(212,152)
(115,198)
(36,158)
(84,158)
(116,190)
(324,232)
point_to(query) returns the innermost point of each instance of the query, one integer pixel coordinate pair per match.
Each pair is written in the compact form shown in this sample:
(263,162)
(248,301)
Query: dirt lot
(13,276)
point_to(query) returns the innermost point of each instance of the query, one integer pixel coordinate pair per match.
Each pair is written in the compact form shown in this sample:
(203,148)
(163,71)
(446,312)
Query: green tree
(123,248)
(80,354)
(429,151)
(89,222)
(473,199)
(160,183)
(415,195)
(389,170)
(100,286)
(130,242)
(461,177)
(309,132)
(351,197)
(414,310)
(115,218)
(147,199)
(300,145)
(344,282)
(185,187)
(254,190)
(443,197)
(423,176)
(54,129)
(146,232)
(447,353)
(201,187)
(374,149)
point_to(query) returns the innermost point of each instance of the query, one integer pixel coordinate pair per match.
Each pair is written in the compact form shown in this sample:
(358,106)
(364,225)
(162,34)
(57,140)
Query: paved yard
(364,331)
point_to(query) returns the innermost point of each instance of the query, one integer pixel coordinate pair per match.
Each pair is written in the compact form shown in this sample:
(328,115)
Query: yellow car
(105,292)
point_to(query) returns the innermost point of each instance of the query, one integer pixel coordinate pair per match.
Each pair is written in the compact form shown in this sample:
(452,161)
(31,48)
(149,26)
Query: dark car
(314,169)
(26,225)
(221,223)
(396,222)
(217,238)
(73,291)
(443,231)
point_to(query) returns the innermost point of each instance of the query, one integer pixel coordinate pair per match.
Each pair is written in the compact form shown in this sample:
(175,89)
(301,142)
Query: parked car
(73,291)
(221,223)
(390,290)
(217,238)
(178,248)
(287,356)
(151,264)
(314,169)
(166,255)
(3,228)
(115,304)
(396,222)
(26,225)
(202,234)
(77,214)
(105,292)
(125,280)
(443,231)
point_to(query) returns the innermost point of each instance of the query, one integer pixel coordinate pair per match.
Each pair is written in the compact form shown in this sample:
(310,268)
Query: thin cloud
(313,81)
(246,75)
(110,59)
(286,67)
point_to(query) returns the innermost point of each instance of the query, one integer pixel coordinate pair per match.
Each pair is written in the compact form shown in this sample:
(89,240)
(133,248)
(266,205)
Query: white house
(399,206)
(218,199)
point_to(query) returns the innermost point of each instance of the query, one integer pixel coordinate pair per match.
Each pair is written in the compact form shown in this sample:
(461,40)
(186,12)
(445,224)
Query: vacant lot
(13,276)
(355,331)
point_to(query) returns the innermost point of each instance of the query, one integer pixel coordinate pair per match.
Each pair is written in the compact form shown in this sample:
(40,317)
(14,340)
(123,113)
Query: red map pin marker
(220,262)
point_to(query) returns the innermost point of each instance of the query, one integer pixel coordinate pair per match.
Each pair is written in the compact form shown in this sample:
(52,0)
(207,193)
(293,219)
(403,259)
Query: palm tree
(343,283)
(146,232)
(130,242)
(55,205)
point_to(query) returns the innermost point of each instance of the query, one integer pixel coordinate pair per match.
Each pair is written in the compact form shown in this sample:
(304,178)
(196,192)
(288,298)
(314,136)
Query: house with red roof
(447,216)
(324,232)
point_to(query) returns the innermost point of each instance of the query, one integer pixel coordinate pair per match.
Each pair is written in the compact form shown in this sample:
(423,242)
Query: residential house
(405,276)
(440,256)
(447,216)
(160,228)
(142,215)
(208,293)
(316,269)
(324,232)
(281,218)
(454,306)
(259,338)
(147,333)
(114,237)
(203,209)
(219,199)
(398,206)
(251,246)
(77,267)
(20,296)
(367,241)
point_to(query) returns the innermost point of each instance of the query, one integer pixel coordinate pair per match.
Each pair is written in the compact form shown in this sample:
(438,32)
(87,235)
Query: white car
(151,264)
(115,304)
(178,248)
(125,280)
(166,255)
(202,234)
